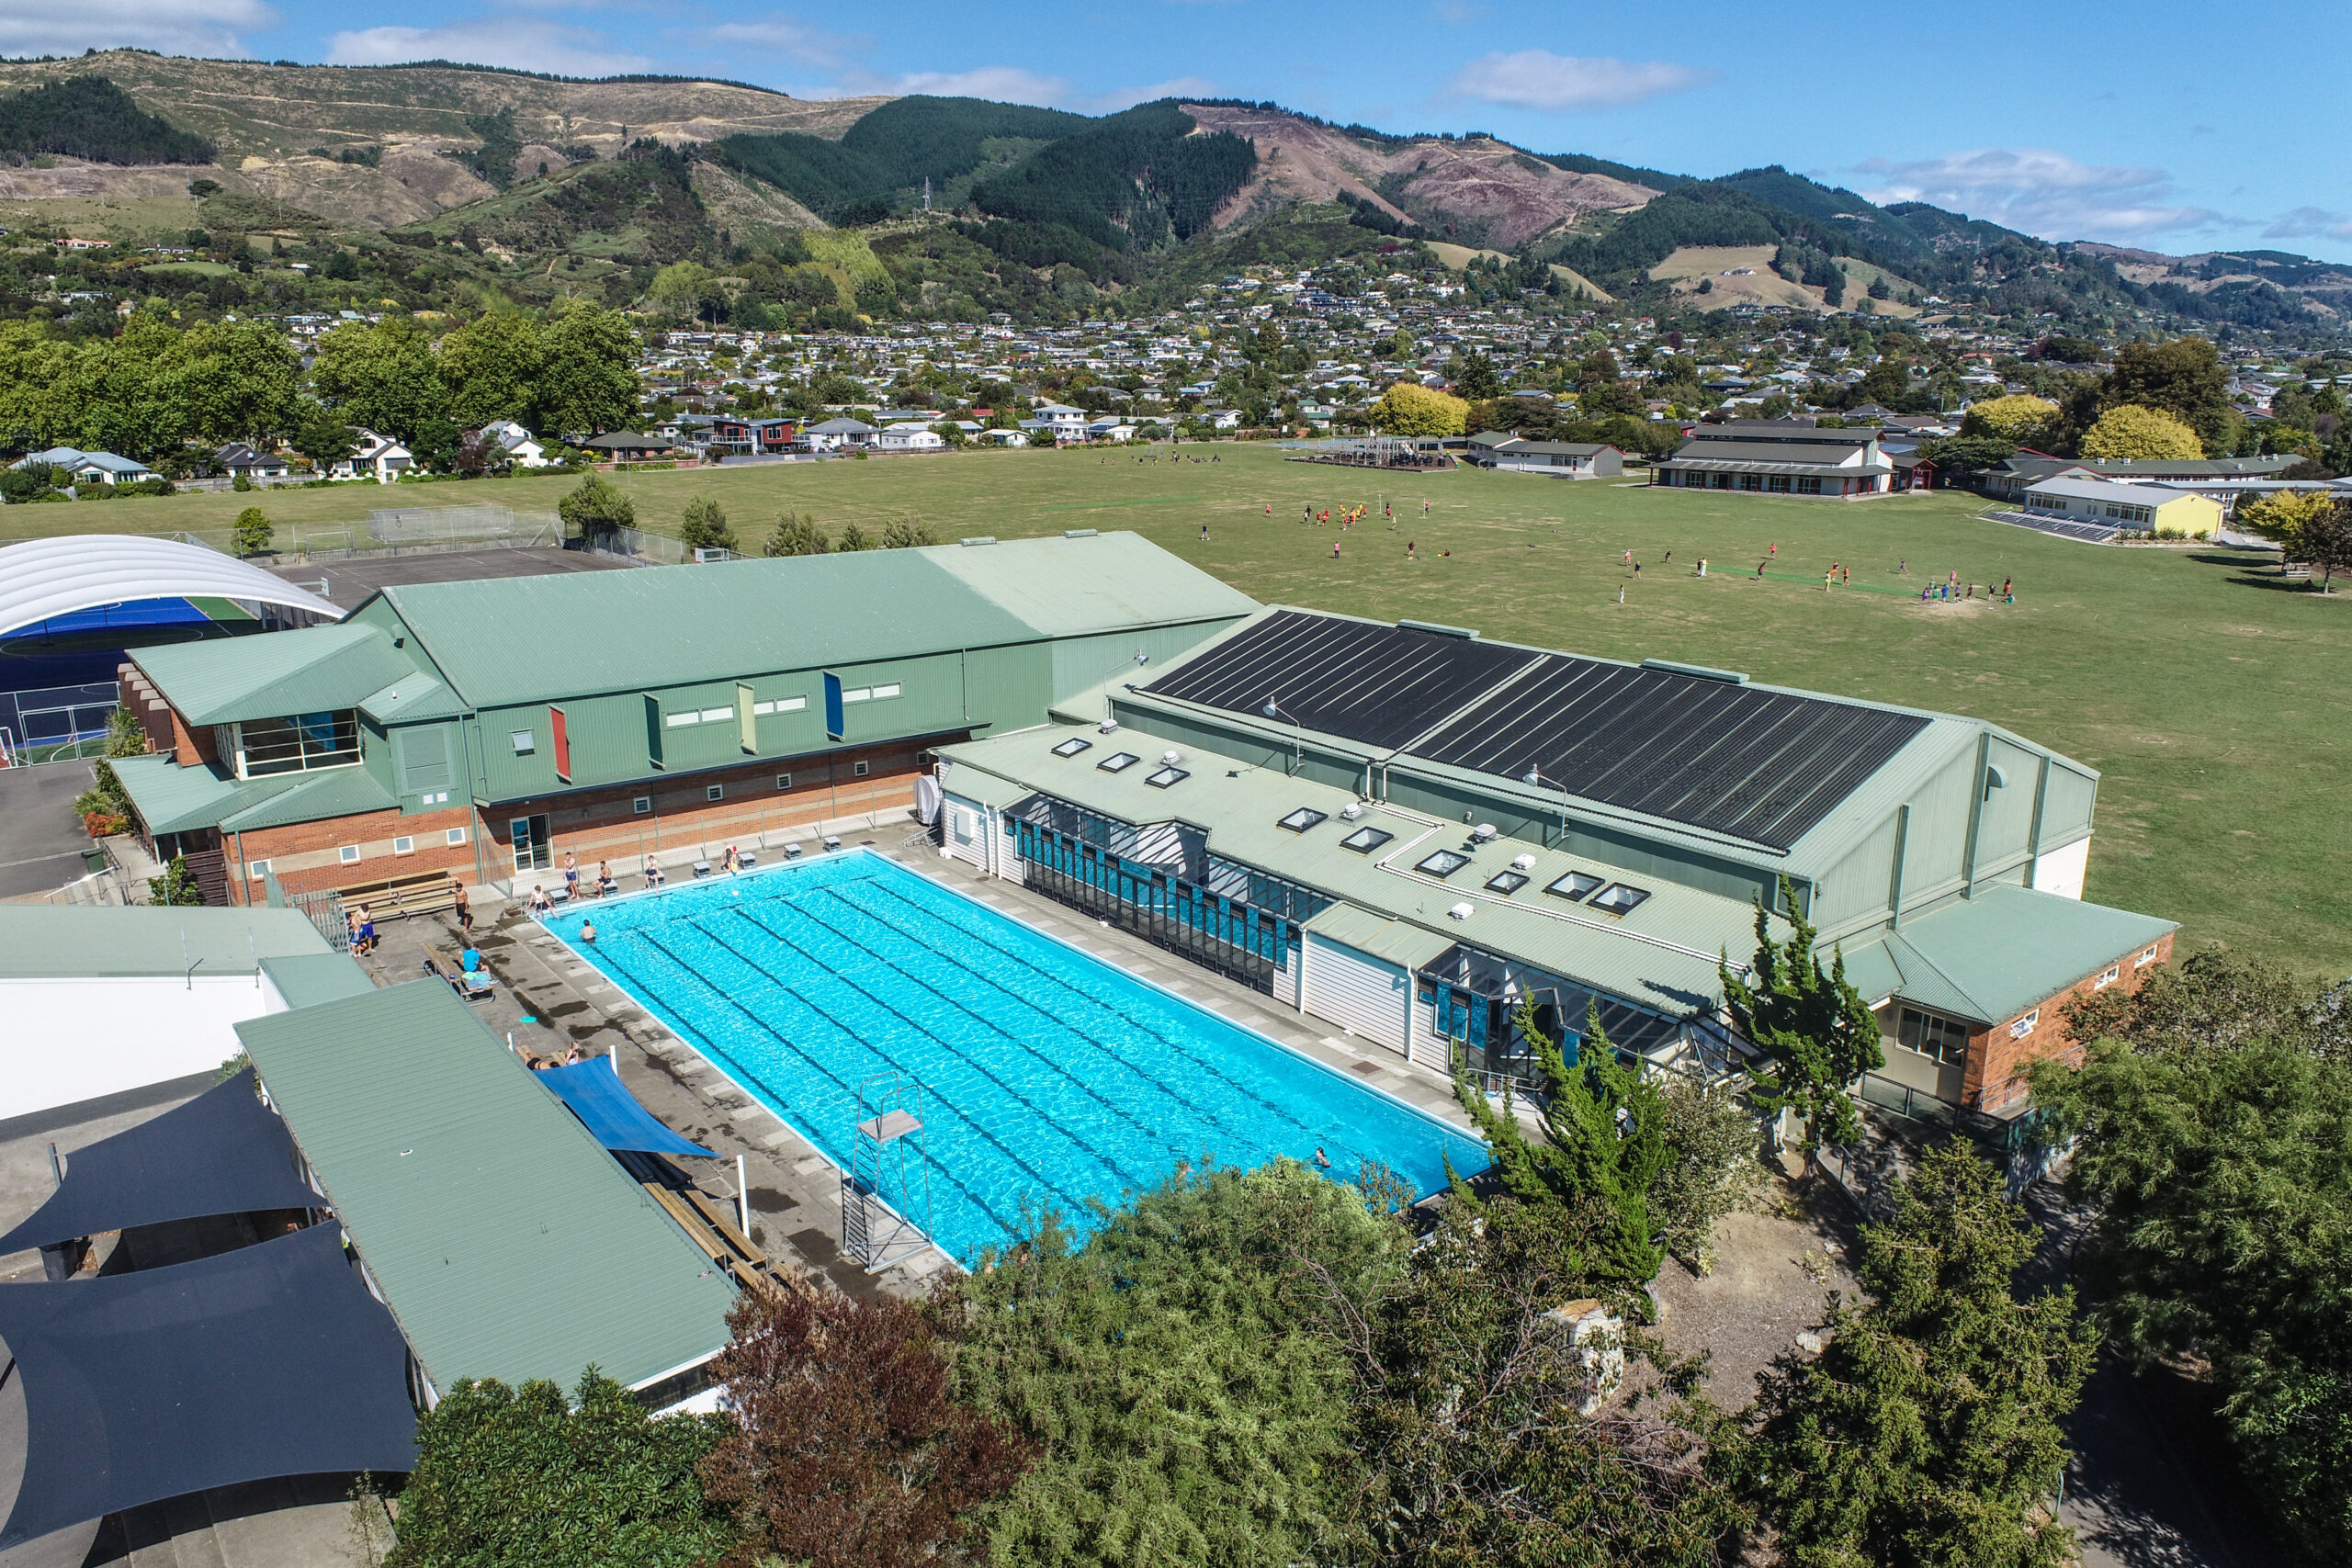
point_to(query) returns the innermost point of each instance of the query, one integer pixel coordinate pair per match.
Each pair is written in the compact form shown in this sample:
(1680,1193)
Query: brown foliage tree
(848,1450)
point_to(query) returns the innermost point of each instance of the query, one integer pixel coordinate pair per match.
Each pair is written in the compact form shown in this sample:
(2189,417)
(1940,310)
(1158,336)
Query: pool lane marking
(796,1053)
(1070,987)
(1070,1027)
(1051,1067)
(938,1047)
(1043,1180)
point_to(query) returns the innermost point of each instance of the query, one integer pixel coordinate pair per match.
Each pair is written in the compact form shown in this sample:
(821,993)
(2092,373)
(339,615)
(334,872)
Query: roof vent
(1484,833)
(1522,863)
(1698,672)
(1108,727)
(1351,810)
(1169,759)
(1077,532)
(977,539)
(1461,911)
(1432,626)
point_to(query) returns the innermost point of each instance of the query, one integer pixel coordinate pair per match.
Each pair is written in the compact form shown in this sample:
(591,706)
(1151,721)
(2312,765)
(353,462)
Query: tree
(2130,430)
(1926,1431)
(1474,376)
(795,533)
(1410,409)
(1604,1144)
(588,376)
(684,289)
(492,367)
(125,736)
(175,886)
(383,376)
(251,532)
(848,1450)
(321,435)
(521,1478)
(2021,420)
(2283,515)
(597,506)
(2325,541)
(908,533)
(1175,1372)
(1816,1030)
(1710,1170)
(2185,379)
(705,528)
(854,537)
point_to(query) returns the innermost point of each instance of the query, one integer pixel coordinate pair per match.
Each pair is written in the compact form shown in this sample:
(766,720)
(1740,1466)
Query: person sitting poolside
(605,884)
(540,903)
(470,960)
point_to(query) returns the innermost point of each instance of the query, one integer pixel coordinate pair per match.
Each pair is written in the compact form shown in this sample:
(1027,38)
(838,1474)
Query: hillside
(2230,284)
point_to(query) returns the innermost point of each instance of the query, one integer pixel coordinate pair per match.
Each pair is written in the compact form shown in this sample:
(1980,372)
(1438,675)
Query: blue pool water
(1051,1078)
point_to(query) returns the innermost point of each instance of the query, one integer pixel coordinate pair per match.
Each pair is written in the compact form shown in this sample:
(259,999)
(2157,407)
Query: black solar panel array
(1765,766)
(1379,685)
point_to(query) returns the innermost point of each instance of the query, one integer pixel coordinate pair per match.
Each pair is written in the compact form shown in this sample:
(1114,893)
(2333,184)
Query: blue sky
(2174,125)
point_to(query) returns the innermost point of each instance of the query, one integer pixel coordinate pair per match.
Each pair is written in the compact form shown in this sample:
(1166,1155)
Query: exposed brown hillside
(1497,195)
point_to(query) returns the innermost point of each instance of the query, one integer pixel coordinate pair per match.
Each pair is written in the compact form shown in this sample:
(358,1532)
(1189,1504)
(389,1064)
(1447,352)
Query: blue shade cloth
(596,1095)
(270,1360)
(221,1153)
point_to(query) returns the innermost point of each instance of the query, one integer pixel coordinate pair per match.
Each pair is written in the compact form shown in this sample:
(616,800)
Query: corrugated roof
(49,942)
(506,1240)
(173,799)
(321,668)
(305,979)
(1097,582)
(1395,940)
(338,792)
(411,698)
(1988,958)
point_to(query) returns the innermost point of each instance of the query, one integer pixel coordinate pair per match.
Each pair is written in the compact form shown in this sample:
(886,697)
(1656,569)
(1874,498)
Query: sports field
(2216,703)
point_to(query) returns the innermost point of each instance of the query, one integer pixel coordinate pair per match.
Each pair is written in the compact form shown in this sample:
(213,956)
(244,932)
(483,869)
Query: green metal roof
(336,792)
(411,698)
(1395,940)
(173,799)
(48,941)
(506,1240)
(1092,583)
(306,979)
(310,671)
(1988,958)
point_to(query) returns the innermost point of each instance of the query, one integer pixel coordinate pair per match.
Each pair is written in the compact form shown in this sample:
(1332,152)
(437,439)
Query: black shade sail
(269,1361)
(221,1153)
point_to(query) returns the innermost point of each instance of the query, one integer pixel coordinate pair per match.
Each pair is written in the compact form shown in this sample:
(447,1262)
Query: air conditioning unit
(1461,911)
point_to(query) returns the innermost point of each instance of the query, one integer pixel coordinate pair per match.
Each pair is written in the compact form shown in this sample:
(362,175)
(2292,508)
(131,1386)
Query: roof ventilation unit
(976,539)
(1351,810)
(1461,911)
(1169,759)
(1522,863)
(1108,727)
(1484,833)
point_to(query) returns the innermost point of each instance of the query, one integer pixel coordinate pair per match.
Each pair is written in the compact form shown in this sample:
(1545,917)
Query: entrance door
(532,850)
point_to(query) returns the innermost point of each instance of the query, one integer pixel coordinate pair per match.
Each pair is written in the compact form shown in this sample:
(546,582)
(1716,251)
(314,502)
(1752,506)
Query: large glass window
(298,743)
(1937,1039)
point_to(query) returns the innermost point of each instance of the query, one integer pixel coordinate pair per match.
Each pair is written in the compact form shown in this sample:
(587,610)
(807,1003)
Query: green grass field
(2216,703)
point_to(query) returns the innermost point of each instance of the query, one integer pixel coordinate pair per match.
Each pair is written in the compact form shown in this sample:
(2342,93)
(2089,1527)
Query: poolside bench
(467,983)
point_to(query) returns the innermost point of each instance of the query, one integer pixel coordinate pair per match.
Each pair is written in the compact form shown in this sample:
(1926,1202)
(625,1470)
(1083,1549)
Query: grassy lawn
(2217,706)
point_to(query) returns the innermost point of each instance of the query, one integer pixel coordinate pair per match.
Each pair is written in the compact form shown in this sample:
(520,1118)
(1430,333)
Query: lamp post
(1298,734)
(1534,776)
(1140,659)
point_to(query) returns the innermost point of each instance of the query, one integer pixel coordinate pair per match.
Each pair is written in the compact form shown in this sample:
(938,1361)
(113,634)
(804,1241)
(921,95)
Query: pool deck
(549,1000)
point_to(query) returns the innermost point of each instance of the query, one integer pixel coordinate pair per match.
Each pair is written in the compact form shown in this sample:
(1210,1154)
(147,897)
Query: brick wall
(1998,1059)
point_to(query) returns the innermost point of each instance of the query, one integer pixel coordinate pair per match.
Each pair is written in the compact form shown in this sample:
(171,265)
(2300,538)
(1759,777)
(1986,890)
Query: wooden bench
(468,982)
(397,897)
(707,1226)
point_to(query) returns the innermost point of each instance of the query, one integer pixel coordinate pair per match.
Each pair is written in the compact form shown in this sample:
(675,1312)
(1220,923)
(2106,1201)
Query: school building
(1770,457)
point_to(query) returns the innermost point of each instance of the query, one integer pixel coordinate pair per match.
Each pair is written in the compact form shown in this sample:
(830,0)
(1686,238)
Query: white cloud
(782,35)
(2310,224)
(2040,192)
(1538,79)
(519,44)
(175,26)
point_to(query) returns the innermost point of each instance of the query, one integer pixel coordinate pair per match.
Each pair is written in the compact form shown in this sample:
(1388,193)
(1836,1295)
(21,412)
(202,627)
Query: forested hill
(90,117)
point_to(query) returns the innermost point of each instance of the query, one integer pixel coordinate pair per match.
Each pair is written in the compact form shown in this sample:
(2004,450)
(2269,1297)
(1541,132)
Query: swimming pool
(1051,1077)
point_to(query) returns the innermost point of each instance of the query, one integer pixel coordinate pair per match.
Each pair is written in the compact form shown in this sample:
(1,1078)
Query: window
(1119,764)
(679,720)
(1506,883)
(1778,484)
(716,791)
(1751,481)
(859,770)
(1167,777)
(781,705)
(404,845)
(2114,973)
(524,741)
(717,715)
(1937,1039)
(1618,898)
(1300,820)
(783,781)
(857,694)
(1364,840)
(1808,484)
(642,804)
(881,692)
(2025,1025)
(258,869)
(1444,863)
(454,837)
(297,743)
(1072,747)
(349,854)
(2144,959)
(1574,886)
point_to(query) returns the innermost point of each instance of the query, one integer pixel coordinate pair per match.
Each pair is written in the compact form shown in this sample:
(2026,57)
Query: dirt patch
(1774,1270)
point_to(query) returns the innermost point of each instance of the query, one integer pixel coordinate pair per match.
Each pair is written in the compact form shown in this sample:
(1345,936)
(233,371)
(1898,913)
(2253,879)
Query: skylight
(1618,898)
(1364,840)
(1444,863)
(1071,746)
(1167,777)
(1506,882)
(1574,886)
(1118,762)
(1300,820)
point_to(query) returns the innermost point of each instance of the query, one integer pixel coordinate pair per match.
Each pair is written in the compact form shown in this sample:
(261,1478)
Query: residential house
(1068,423)
(243,461)
(839,435)
(517,446)
(1558,459)
(744,436)
(628,446)
(910,437)
(89,468)
(1109,428)
(378,457)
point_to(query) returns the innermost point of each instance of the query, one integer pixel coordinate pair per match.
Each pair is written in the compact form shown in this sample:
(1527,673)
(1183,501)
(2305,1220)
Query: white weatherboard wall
(2061,871)
(1357,991)
(965,833)
(69,1039)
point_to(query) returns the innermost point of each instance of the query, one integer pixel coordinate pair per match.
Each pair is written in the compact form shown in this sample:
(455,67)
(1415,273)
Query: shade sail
(221,1153)
(604,1104)
(270,1360)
